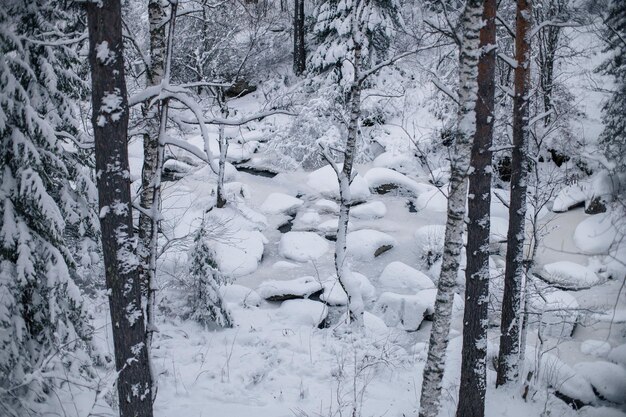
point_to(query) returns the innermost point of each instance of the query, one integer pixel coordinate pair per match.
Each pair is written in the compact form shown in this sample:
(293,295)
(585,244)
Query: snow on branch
(543,25)
(392,60)
(508,60)
(444,89)
(240,121)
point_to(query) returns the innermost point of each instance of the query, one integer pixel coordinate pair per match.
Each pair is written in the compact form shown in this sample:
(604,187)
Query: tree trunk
(473,367)
(355,301)
(453,243)
(514,271)
(299,51)
(110,124)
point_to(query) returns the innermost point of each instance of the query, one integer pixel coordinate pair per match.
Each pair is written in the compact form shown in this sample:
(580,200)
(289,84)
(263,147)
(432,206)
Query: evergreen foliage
(46,201)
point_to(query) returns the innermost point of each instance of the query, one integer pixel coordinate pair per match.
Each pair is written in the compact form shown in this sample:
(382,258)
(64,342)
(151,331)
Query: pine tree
(205,302)
(613,138)
(45,199)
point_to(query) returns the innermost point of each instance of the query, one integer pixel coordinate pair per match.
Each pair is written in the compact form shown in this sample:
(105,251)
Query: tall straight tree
(110,124)
(453,241)
(299,50)
(474,364)
(508,357)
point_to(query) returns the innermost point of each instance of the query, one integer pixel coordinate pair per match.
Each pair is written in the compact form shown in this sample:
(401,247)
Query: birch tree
(514,275)
(110,125)
(453,241)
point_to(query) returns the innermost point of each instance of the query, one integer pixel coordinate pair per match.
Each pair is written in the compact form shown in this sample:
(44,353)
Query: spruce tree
(45,199)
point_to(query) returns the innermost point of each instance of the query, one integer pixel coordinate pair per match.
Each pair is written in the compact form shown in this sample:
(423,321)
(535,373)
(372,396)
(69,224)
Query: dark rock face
(382,250)
(596,206)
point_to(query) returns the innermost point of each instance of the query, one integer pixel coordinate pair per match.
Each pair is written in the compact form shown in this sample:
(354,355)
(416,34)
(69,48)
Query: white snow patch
(240,295)
(607,378)
(302,246)
(324,182)
(393,181)
(569,196)
(277,203)
(597,348)
(401,278)
(302,312)
(302,287)
(596,234)
(569,275)
(369,211)
(363,244)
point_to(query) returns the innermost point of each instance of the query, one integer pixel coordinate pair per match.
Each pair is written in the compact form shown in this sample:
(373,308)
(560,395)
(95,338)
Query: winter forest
(312,208)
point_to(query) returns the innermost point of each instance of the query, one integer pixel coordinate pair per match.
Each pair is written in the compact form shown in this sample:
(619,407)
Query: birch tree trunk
(453,243)
(110,124)
(508,358)
(474,366)
(355,301)
(299,51)
(152,118)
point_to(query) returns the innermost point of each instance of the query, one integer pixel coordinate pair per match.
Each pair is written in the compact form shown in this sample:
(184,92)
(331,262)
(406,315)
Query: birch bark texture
(110,124)
(474,352)
(453,240)
(508,358)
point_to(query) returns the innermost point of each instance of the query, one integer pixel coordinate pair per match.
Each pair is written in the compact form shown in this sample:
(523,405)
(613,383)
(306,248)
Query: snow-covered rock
(618,355)
(597,348)
(400,310)
(608,379)
(401,162)
(429,297)
(368,211)
(498,229)
(327,206)
(590,411)
(334,294)
(433,200)
(402,279)
(366,244)
(569,275)
(302,246)
(595,234)
(308,219)
(302,312)
(557,311)
(302,287)
(277,203)
(240,295)
(384,180)
(328,226)
(241,253)
(570,196)
(324,181)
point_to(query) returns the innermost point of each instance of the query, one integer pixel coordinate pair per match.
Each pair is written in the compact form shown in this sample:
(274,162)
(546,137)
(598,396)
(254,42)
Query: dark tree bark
(473,368)
(299,51)
(110,124)
(514,271)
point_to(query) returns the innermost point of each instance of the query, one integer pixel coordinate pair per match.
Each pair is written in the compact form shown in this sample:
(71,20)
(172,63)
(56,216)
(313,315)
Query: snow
(302,312)
(618,355)
(401,310)
(402,279)
(333,293)
(276,203)
(275,290)
(498,229)
(383,180)
(608,379)
(302,246)
(429,240)
(240,253)
(369,211)
(328,226)
(240,295)
(327,206)
(364,244)
(600,412)
(596,234)
(568,197)
(324,182)
(434,200)
(597,348)
(569,275)
(558,312)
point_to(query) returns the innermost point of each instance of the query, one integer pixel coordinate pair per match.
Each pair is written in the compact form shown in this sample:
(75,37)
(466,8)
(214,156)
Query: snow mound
(433,200)
(608,379)
(368,211)
(596,234)
(366,244)
(430,295)
(334,294)
(308,219)
(275,290)
(569,197)
(597,348)
(277,203)
(328,226)
(327,206)
(285,265)
(401,162)
(241,253)
(302,312)
(384,180)
(324,182)
(557,312)
(400,278)
(404,311)
(429,242)
(589,411)
(618,355)
(302,246)
(240,295)
(569,275)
